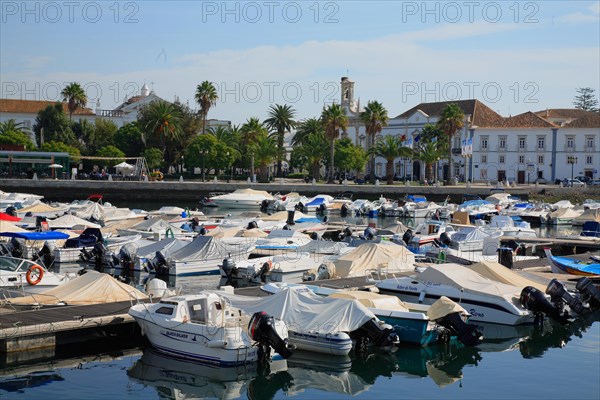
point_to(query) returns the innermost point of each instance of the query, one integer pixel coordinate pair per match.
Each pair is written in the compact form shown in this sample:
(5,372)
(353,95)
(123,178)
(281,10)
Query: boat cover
(499,273)
(166,246)
(469,235)
(591,214)
(372,300)
(463,278)
(40,208)
(444,306)
(90,288)
(322,247)
(69,221)
(155,225)
(368,256)
(254,233)
(318,200)
(565,213)
(208,248)
(562,204)
(7,217)
(498,198)
(282,216)
(303,311)
(93,211)
(6,226)
(245,193)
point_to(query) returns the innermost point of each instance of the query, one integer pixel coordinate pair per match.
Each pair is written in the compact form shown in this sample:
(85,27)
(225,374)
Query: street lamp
(572,160)
(203,153)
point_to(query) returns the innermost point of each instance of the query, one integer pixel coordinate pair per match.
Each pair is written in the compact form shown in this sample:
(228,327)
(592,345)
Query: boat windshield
(10,264)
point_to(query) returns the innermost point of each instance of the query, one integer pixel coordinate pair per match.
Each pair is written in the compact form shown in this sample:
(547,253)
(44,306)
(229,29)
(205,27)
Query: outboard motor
(252,225)
(158,264)
(321,209)
(229,266)
(369,233)
(290,217)
(590,294)
(262,329)
(382,335)
(314,236)
(560,296)
(445,239)
(202,231)
(99,252)
(408,235)
(47,253)
(344,210)
(264,205)
(467,334)
(264,270)
(322,273)
(535,301)
(12,211)
(299,206)
(126,258)
(19,250)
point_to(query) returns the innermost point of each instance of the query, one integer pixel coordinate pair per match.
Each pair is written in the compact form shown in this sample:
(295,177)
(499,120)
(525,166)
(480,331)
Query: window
(502,143)
(484,143)
(522,143)
(541,142)
(570,142)
(501,159)
(540,160)
(484,158)
(521,159)
(589,142)
(164,311)
(589,159)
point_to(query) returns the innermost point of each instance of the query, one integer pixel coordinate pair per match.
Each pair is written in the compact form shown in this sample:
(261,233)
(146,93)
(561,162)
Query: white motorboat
(17,200)
(155,228)
(82,247)
(424,234)
(319,203)
(320,324)
(242,198)
(286,202)
(20,276)
(204,327)
(280,241)
(484,299)
(508,227)
(201,256)
(468,238)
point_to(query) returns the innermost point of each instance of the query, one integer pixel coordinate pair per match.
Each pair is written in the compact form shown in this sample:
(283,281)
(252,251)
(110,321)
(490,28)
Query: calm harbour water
(548,362)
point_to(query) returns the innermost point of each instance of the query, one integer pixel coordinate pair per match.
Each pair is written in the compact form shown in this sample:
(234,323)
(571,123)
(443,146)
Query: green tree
(52,125)
(85,134)
(113,152)
(451,121)
(333,119)
(311,126)
(206,96)
(349,157)
(74,94)
(161,123)
(105,133)
(12,132)
(281,120)
(129,139)
(310,146)
(154,157)
(389,147)
(429,152)
(586,100)
(251,130)
(375,117)
(59,147)
(265,151)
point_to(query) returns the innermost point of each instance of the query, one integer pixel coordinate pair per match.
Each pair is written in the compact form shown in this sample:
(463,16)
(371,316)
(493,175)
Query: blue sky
(513,56)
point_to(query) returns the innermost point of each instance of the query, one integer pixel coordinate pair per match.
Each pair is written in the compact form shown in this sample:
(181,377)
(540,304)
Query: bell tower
(347,93)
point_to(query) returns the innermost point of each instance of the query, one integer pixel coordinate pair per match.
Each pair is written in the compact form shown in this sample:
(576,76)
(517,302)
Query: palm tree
(311,126)
(250,131)
(206,97)
(389,147)
(374,117)
(163,120)
(281,119)
(265,149)
(75,96)
(312,150)
(429,152)
(451,120)
(333,119)
(12,126)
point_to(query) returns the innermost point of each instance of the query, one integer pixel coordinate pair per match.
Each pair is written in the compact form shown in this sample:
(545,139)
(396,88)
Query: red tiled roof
(481,115)
(563,113)
(34,106)
(590,120)
(526,120)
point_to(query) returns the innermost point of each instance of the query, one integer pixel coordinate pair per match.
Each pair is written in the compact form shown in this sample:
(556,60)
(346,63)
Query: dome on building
(145,90)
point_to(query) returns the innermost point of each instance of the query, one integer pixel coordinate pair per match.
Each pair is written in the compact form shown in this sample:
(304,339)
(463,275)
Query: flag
(417,138)
(403,138)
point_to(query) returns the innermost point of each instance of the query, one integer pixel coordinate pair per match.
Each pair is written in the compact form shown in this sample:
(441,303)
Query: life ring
(33,272)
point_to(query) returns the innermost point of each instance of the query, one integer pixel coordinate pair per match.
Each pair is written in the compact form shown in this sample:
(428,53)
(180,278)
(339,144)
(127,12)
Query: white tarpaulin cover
(70,222)
(166,246)
(93,210)
(562,204)
(155,225)
(90,288)
(303,311)
(6,226)
(470,281)
(498,272)
(372,300)
(591,214)
(467,235)
(444,306)
(565,213)
(373,256)
(209,248)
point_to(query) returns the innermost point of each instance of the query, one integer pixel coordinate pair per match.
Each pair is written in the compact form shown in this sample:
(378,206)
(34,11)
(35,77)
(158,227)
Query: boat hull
(338,343)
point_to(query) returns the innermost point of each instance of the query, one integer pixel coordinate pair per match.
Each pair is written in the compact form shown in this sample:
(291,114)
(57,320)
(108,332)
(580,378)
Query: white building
(520,148)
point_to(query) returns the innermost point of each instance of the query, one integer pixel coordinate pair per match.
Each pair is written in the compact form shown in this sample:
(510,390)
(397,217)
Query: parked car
(584,179)
(574,183)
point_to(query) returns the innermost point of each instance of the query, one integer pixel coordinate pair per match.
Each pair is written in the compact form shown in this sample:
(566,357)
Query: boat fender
(216,343)
(34,275)
(421,297)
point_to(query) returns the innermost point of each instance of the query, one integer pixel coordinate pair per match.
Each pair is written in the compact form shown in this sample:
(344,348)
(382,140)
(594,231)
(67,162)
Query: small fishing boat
(242,198)
(566,265)
(204,327)
(425,234)
(20,277)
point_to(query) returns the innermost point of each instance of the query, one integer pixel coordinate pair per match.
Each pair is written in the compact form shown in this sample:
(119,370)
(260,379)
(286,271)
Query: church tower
(347,94)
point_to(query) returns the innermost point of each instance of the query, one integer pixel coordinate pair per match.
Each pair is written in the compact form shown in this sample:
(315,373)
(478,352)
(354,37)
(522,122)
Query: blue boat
(566,265)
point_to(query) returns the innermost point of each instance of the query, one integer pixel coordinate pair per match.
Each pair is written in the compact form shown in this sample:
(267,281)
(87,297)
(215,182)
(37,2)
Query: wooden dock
(49,327)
